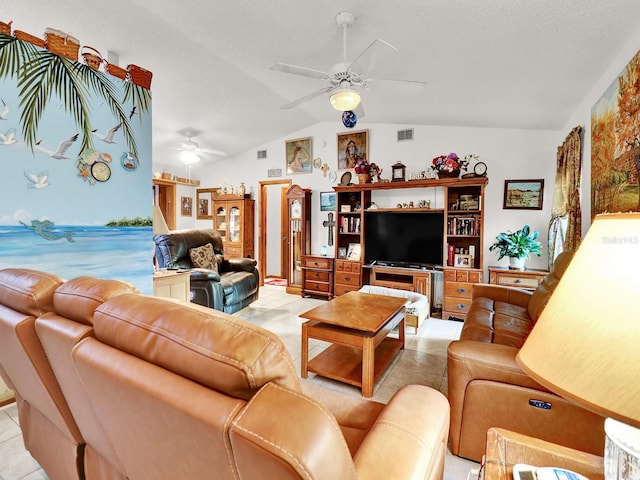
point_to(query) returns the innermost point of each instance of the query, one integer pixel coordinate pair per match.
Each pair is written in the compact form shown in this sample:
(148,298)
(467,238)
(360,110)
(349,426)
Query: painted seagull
(108,138)
(5,111)
(37,181)
(60,151)
(8,138)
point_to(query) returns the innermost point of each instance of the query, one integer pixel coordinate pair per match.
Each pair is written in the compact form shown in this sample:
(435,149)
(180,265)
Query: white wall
(582,116)
(508,153)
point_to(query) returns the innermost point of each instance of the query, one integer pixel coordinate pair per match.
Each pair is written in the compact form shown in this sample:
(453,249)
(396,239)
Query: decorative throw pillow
(203,257)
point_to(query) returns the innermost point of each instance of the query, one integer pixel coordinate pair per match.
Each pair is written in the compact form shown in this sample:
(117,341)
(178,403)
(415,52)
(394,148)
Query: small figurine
(375,171)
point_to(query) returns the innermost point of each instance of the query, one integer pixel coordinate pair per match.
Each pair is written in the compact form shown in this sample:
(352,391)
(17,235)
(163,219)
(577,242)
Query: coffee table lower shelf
(344,364)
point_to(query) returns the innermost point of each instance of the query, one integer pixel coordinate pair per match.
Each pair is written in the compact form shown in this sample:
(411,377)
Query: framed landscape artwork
(615,144)
(298,156)
(523,194)
(351,147)
(327,201)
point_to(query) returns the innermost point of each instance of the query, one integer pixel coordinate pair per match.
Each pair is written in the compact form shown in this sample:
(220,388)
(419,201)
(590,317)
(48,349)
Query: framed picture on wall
(186,204)
(298,156)
(327,201)
(352,146)
(523,194)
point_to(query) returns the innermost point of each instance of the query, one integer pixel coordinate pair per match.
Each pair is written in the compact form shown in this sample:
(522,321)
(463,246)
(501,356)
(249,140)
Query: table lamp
(586,344)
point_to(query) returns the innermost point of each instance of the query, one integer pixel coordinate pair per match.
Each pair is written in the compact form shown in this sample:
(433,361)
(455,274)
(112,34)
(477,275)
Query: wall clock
(101,171)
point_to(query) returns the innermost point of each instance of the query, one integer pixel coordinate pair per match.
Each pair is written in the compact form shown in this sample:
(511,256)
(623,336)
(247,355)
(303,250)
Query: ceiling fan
(346,78)
(191,152)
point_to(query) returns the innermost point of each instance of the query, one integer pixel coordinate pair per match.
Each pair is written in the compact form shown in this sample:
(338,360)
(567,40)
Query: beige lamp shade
(159,224)
(586,344)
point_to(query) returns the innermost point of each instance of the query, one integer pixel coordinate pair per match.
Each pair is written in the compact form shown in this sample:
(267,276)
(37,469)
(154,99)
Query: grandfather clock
(298,234)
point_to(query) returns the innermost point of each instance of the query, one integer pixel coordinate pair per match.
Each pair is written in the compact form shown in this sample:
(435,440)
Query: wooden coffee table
(357,324)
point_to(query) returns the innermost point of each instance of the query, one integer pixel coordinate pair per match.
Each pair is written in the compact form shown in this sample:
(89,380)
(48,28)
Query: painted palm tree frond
(12,54)
(42,74)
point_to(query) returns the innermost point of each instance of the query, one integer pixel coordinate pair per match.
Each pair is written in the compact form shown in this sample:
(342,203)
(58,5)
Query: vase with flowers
(363,170)
(449,166)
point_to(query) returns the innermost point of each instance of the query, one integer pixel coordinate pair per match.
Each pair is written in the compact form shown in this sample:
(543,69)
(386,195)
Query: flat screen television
(402,238)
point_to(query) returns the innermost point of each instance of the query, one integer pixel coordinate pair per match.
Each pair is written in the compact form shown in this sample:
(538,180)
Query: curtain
(565,227)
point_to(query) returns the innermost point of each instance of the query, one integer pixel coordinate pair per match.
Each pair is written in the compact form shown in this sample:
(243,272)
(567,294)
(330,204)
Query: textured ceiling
(489,63)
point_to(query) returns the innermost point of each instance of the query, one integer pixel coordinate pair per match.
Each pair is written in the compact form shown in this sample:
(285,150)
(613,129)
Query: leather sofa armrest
(409,438)
(498,293)
(469,360)
(202,274)
(240,264)
(280,432)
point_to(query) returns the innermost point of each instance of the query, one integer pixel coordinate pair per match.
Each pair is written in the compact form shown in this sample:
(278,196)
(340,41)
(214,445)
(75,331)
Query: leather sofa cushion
(545,289)
(237,286)
(212,348)
(28,291)
(498,322)
(78,298)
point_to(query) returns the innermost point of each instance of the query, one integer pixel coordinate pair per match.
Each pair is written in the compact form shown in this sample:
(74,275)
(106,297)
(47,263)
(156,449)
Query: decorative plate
(317,162)
(333,176)
(345,179)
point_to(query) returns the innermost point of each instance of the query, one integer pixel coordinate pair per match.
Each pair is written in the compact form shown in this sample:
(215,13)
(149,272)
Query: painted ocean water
(122,253)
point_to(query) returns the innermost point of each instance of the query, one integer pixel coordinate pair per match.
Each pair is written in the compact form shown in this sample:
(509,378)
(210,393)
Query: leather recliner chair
(234,286)
(487,388)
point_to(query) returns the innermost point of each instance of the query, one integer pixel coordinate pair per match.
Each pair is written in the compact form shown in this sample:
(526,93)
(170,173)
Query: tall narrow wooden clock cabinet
(298,234)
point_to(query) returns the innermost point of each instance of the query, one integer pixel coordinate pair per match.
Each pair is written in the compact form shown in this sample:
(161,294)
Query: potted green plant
(518,246)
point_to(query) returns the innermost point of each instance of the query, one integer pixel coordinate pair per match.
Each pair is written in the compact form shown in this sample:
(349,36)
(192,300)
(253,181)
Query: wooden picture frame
(351,147)
(462,261)
(204,203)
(353,252)
(186,206)
(342,252)
(328,201)
(523,194)
(298,156)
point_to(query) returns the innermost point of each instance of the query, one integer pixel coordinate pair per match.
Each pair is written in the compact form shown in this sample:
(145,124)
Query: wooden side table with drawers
(317,276)
(528,279)
(457,291)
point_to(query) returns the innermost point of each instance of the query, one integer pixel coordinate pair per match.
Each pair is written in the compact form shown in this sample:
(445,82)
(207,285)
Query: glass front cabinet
(233,218)
(298,234)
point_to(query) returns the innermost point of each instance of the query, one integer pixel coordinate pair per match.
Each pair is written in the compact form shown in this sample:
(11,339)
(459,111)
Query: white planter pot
(516,263)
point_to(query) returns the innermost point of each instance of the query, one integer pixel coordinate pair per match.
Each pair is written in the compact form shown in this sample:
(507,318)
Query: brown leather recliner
(162,389)
(487,388)
(49,430)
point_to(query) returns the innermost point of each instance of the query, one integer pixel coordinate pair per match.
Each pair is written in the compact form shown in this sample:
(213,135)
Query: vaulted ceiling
(489,63)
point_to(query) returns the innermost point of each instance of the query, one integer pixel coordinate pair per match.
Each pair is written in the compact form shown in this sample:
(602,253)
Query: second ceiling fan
(346,78)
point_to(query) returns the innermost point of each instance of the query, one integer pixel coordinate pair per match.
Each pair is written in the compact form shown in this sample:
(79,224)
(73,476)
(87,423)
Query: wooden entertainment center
(461,200)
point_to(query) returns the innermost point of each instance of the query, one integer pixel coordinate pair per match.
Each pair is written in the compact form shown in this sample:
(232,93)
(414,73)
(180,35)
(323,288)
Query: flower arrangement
(451,162)
(362,166)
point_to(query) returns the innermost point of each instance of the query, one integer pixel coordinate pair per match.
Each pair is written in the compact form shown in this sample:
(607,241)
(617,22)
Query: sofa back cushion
(212,348)
(542,294)
(172,249)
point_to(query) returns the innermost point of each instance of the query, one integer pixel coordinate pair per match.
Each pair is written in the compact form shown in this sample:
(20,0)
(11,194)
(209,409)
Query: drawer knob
(347,278)
(462,306)
(518,280)
(462,290)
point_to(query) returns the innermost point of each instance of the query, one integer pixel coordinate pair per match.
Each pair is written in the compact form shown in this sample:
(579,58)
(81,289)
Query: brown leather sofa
(487,388)
(160,389)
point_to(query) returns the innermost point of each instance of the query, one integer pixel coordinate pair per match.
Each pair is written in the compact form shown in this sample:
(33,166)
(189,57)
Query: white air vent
(405,135)
(262,154)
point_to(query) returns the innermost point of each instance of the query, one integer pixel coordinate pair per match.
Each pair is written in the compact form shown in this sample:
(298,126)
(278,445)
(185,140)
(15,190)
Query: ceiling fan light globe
(189,158)
(345,99)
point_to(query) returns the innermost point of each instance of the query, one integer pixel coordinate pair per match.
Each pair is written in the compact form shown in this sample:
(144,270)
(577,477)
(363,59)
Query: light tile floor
(423,361)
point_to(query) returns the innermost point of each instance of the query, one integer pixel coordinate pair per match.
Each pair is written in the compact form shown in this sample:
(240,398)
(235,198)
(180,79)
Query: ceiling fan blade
(315,94)
(370,57)
(403,87)
(297,70)
(209,151)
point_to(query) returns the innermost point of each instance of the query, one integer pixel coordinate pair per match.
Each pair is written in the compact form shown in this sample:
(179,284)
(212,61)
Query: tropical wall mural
(615,144)
(75,154)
